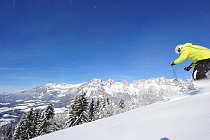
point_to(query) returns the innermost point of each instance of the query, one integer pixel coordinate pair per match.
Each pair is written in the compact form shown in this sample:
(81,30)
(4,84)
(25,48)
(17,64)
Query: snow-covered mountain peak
(95,81)
(62,86)
(50,85)
(91,88)
(109,82)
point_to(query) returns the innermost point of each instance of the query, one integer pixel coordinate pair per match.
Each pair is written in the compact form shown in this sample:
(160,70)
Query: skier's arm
(182,57)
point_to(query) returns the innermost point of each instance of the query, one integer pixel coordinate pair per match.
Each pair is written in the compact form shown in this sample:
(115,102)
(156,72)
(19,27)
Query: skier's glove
(172,63)
(187,68)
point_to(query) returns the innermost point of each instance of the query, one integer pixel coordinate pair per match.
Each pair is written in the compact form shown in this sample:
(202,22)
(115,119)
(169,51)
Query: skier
(200,57)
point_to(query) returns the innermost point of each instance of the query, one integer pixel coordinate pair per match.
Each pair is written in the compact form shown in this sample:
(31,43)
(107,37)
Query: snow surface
(185,118)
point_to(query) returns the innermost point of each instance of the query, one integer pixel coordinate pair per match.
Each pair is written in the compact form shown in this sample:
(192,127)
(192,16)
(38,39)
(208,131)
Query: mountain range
(13,105)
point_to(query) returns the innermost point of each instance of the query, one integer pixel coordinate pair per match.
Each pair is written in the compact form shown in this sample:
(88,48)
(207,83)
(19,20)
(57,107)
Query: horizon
(129,82)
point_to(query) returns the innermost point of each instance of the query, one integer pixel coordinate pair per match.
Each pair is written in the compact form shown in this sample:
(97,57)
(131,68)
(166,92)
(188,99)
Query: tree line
(81,110)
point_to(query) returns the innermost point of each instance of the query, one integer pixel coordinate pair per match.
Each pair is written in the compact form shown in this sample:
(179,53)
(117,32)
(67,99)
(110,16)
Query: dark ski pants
(201,68)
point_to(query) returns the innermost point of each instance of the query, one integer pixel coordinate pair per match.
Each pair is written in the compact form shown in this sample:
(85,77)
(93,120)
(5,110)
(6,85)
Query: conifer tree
(121,104)
(17,133)
(96,108)
(30,128)
(20,130)
(108,107)
(6,131)
(45,121)
(25,129)
(121,107)
(37,120)
(49,112)
(105,108)
(91,111)
(79,111)
(102,106)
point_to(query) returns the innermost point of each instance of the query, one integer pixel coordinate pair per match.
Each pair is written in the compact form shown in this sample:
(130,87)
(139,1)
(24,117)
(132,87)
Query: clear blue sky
(74,41)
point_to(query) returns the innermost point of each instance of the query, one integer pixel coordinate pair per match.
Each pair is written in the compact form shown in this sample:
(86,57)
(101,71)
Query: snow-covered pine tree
(25,129)
(20,130)
(30,128)
(49,112)
(109,111)
(102,105)
(102,108)
(17,132)
(91,110)
(60,120)
(79,111)
(96,109)
(121,107)
(105,108)
(121,104)
(45,124)
(37,120)
(151,96)
(72,113)
(6,131)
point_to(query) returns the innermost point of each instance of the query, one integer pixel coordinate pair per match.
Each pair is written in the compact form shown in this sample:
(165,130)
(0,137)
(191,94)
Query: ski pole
(174,72)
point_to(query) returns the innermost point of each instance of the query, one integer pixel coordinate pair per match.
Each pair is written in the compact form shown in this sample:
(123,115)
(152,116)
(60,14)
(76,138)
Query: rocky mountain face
(140,92)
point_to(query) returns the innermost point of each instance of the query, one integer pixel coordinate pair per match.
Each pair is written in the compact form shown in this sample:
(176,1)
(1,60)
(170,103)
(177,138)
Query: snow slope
(181,119)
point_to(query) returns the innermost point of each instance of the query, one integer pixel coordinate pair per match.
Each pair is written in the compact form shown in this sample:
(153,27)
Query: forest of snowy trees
(81,110)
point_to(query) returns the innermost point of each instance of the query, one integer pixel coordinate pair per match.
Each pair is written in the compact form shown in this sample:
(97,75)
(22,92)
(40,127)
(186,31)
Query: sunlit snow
(178,118)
